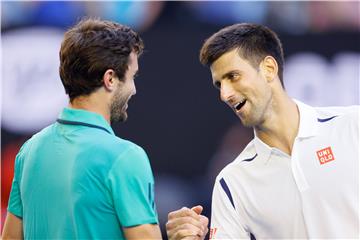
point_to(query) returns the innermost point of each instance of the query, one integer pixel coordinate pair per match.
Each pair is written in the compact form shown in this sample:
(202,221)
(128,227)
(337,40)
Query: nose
(133,89)
(226,91)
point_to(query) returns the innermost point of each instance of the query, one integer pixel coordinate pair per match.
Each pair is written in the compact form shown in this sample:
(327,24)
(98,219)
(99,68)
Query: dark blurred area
(176,115)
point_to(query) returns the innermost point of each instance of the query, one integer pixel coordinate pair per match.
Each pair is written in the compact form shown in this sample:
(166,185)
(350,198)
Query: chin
(248,122)
(120,117)
(123,117)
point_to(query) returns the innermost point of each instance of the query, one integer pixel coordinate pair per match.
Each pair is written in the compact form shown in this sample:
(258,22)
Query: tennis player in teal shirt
(75,179)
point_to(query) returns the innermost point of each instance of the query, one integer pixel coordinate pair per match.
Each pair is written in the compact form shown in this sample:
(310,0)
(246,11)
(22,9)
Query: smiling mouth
(239,105)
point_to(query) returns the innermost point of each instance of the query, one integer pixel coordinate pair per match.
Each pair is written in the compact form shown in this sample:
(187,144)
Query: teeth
(238,104)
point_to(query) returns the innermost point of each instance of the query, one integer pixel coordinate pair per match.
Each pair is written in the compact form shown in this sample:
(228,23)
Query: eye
(217,84)
(233,76)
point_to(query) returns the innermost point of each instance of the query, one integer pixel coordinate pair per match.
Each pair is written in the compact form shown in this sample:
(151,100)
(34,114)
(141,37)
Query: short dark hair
(90,48)
(253,41)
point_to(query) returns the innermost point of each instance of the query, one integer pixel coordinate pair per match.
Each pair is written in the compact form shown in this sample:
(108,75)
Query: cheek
(124,91)
(129,92)
(129,88)
(260,85)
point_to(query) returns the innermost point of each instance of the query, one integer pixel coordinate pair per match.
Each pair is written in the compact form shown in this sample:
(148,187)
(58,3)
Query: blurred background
(176,115)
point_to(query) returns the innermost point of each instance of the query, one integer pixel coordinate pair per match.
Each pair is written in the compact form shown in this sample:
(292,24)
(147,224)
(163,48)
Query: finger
(183,212)
(205,230)
(198,209)
(191,238)
(184,230)
(204,220)
(173,223)
(182,234)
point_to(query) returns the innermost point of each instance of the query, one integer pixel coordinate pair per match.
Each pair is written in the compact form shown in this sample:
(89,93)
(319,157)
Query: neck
(282,124)
(92,103)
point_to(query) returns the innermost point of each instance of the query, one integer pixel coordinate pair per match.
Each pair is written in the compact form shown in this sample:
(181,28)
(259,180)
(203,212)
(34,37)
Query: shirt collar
(308,126)
(262,149)
(86,118)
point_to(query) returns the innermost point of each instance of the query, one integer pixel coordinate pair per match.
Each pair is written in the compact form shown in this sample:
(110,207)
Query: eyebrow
(226,75)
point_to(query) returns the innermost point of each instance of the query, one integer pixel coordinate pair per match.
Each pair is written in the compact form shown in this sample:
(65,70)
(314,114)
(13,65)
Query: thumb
(198,209)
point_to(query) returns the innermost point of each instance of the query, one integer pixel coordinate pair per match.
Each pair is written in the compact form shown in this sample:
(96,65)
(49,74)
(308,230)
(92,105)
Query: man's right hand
(187,224)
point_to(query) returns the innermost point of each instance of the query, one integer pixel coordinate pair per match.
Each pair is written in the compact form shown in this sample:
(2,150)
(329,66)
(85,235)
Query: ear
(269,68)
(109,80)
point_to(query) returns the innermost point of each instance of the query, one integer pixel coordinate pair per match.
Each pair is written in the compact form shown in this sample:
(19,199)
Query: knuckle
(168,225)
(185,210)
(187,226)
(206,222)
(178,235)
(184,233)
(170,215)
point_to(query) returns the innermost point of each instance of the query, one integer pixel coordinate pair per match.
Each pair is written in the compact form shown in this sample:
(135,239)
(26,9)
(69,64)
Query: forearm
(13,228)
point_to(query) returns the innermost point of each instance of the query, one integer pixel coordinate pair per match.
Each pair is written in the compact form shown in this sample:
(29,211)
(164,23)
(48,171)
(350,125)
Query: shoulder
(340,116)
(242,162)
(130,156)
(229,185)
(130,149)
(325,114)
(133,162)
(126,148)
(347,112)
(38,137)
(112,147)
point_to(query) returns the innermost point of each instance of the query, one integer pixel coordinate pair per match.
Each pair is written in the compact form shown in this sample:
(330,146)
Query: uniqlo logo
(212,233)
(325,155)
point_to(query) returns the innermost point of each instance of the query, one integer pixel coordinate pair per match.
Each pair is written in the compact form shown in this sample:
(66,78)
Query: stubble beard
(256,117)
(250,121)
(117,108)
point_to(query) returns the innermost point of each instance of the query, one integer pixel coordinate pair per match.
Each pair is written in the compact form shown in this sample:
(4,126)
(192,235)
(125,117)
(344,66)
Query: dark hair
(254,42)
(90,48)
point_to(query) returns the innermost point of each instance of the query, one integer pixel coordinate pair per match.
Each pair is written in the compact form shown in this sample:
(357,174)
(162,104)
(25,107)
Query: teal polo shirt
(76,179)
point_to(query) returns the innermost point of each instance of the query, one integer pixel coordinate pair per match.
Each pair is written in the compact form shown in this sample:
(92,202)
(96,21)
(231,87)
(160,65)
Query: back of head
(90,48)
(254,42)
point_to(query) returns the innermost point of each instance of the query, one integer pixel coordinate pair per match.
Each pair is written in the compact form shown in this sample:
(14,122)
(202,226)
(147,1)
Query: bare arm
(145,231)
(13,228)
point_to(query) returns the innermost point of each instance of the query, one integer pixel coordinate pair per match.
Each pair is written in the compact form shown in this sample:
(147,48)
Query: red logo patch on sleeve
(325,155)
(212,233)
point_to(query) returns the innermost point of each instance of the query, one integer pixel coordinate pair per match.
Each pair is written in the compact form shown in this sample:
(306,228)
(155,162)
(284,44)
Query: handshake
(187,224)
